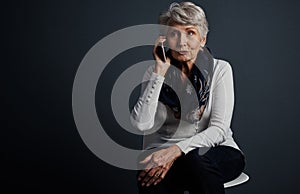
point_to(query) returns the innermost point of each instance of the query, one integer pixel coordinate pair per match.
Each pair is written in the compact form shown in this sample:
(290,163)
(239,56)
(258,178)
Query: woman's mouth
(183,52)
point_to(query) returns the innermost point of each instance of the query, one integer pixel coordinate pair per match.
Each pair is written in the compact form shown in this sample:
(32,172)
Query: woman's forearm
(143,113)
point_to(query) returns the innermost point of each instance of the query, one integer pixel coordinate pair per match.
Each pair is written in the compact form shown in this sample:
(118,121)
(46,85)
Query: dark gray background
(44,43)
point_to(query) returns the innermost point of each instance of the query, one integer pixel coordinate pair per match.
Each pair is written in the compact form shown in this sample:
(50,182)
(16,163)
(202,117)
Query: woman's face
(185,42)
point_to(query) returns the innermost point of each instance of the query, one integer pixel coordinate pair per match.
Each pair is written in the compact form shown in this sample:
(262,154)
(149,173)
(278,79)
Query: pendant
(189,89)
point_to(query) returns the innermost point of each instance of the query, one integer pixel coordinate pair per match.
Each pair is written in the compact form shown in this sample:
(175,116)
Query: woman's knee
(197,162)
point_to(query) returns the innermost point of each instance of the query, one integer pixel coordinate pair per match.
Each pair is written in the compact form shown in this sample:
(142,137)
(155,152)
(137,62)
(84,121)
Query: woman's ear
(203,41)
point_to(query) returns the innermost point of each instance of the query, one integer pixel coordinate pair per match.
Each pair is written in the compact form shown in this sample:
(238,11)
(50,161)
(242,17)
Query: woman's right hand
(161,67)
(158,164)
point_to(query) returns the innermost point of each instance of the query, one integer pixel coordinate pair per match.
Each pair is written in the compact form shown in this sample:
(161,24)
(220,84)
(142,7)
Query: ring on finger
(157,174)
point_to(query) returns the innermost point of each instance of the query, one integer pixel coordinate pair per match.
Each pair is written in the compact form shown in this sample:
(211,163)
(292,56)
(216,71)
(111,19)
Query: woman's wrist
(177,151)
(160,71)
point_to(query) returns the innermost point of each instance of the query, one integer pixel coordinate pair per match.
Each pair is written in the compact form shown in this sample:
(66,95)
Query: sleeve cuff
(184,146)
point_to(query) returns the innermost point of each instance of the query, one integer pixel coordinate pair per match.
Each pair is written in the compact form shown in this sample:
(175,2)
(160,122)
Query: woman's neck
(187,67)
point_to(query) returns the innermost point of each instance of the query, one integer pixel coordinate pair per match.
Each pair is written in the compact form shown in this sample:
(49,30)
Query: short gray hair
(185,13)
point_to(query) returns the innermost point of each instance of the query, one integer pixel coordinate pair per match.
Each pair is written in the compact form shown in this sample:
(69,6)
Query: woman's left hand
(158,164)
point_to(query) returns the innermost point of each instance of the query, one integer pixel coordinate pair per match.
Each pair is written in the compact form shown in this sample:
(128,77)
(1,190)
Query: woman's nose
(182,39)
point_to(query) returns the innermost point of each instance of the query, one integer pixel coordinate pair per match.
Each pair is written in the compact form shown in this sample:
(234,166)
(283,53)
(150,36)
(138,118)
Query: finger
(142,175)
(157,181)
(166,169)
(154,178)
(168,60)
(159,42)
(145,171)
(159,178)
(149,176)
(163,174)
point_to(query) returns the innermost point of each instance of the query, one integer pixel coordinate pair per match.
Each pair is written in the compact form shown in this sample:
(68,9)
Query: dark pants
(200,173)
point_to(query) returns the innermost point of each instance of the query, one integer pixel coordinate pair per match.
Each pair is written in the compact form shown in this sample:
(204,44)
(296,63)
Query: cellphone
(161,52)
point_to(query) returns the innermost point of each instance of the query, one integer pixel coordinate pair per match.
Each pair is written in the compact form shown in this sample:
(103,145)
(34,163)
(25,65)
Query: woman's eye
(173,34)
(191,33)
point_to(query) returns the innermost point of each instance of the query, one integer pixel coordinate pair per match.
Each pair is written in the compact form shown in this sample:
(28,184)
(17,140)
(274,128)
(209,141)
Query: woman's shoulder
(221,65)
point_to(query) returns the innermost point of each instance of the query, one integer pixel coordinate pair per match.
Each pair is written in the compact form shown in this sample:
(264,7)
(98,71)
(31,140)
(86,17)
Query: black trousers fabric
(200,173)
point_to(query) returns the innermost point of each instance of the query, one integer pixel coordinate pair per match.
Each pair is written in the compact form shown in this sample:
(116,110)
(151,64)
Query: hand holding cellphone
(161,53)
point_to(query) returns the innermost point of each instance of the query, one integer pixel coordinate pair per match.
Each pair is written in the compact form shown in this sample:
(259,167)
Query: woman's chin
(183,58)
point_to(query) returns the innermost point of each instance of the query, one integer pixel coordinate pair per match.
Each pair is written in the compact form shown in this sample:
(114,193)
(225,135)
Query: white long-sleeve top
(151,116)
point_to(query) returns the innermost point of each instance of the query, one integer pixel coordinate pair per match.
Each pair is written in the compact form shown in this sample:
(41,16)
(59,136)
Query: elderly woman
(185,110)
